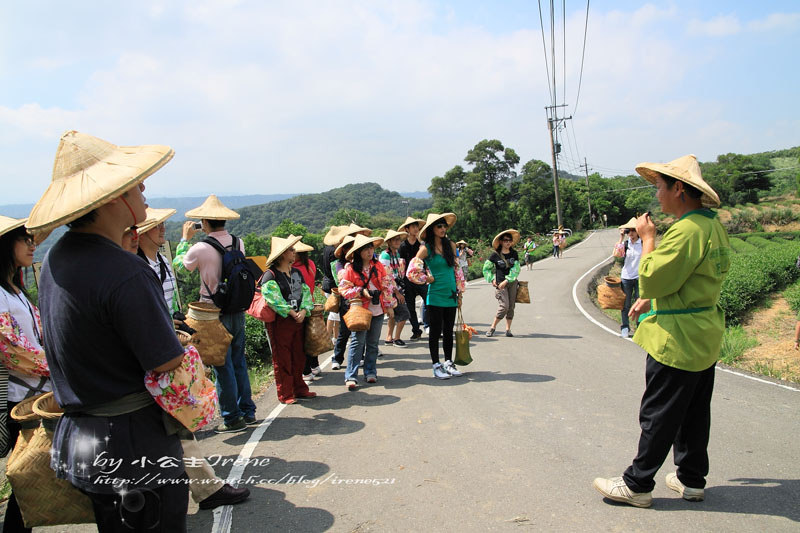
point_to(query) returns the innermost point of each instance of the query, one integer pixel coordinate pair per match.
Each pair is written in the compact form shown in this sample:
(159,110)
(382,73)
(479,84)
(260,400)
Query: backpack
(237,284)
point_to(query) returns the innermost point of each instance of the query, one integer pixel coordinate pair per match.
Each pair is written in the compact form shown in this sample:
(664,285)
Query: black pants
(631,289)
(161,509)
(675,411)
(442,320)
(12,523)
(341,341)
(412,291)
(312,361)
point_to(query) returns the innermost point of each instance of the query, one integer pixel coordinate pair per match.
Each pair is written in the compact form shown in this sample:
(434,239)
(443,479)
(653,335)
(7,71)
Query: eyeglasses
(134,232)
(28,241)
(440,225)
(507,240)
(290,250)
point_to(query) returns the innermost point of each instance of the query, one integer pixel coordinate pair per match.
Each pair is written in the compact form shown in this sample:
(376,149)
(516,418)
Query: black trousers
(631,289)
(675,411)
(442,321)
(412,291)
(13,523)
(161,509)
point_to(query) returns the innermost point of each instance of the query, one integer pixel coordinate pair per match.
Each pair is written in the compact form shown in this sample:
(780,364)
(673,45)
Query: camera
(375,294)
(198,225)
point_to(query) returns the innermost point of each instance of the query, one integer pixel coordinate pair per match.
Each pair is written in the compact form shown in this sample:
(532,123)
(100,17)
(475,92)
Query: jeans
(631,289)
(556,251)
(675,412)
(366,343)
(233,382)
(412,291)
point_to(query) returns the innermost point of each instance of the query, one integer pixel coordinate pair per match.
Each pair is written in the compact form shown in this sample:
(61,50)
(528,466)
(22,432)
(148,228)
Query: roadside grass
(770,370)
(735,342)
(261,376)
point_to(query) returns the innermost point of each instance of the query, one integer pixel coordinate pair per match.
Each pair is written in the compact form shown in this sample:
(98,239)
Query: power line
(564,46)
(583,55)
(544,49)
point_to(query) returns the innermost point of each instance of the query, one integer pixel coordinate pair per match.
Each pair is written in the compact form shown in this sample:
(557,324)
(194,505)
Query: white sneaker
(624,333)
(308,378)
(427,330)
(439,372)
(451,369)
(316,371)
(335,365)
(687,493)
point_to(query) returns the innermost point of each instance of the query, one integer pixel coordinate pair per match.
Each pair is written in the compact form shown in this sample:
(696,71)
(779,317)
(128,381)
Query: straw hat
(410,220)
(301,246)
(347,240)
(631,224)
(90,172)
(514,238)
(154,218)
(459,243)
(280,245)
(212,209)
(354,229)
(391,234)
(685,169)
(9,224)
(361,241)
(334,236)
(449,218)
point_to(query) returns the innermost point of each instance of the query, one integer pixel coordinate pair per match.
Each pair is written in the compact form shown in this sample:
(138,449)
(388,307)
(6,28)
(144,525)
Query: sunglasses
(507,240)
(28,241)
(440,225)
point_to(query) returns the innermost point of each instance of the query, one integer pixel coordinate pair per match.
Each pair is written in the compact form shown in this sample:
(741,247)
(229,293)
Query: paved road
(515,443)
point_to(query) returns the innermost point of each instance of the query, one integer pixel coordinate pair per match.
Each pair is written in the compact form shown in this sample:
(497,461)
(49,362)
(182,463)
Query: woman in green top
(435,264)
(501,270)
(681,329)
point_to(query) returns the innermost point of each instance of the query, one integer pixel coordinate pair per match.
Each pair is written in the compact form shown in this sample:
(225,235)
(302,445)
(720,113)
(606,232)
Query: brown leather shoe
(227,495)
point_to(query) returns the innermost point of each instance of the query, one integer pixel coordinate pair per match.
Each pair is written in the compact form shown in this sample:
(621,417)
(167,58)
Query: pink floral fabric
(17,352)
(185,392)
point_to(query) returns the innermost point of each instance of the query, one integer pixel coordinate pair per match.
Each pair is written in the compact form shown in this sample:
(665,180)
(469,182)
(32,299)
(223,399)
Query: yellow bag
(463,356)
(357,318)
(44,500)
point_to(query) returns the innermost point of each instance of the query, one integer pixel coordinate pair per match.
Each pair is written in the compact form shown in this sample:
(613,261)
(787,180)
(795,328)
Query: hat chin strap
(129,209)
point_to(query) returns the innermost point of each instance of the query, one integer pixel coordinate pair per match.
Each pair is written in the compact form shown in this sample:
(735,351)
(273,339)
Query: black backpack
(237,284)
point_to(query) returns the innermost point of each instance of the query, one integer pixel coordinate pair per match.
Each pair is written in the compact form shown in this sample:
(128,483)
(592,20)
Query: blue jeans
(366,343)
(233,383)
(631,289)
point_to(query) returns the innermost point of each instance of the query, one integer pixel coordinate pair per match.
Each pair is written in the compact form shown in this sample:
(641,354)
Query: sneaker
(416,335)
(616,489)
(508,333)
(230,427)
(308,378)
(316,371)
(251,421)
(687,493)
(624,333)
(490,333)
(399,343)
(336,365)
(372,379)
(361,363)
(451,369)
(351,384)
(388,343)
(439,372)
(427,330)
(380,354)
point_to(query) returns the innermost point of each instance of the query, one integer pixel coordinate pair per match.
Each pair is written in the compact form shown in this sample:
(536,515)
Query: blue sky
(301,96)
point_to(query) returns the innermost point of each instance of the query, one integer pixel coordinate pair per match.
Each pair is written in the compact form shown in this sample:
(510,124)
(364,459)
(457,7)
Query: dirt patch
(775,355)
(792,226)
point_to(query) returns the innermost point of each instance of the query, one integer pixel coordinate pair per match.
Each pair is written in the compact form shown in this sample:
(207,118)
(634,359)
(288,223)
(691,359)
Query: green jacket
(683,278)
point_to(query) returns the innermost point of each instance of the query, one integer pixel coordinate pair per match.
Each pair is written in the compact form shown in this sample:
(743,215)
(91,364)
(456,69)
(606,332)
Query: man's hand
(646,228)
(188,230)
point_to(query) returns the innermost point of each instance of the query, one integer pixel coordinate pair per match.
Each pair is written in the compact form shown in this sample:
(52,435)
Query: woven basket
(45,500)
(23,413)
(610,295)
(212,339)
(332,303)
(357,318)
(523,294)
(317,341)
(183,337)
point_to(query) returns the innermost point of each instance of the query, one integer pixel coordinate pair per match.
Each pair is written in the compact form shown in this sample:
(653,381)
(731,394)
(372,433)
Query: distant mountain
(315,210)
(415,194)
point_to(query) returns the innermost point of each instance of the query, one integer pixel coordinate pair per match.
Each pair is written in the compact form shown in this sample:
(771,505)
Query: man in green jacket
(681,327)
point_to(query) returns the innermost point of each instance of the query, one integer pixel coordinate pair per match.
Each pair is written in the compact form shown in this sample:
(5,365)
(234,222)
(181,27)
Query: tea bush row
(741,247)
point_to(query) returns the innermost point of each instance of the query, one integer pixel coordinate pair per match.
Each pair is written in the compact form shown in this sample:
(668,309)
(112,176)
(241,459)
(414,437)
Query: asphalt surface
(514,443)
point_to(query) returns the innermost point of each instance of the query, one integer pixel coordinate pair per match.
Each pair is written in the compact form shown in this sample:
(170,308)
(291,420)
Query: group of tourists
(109,314)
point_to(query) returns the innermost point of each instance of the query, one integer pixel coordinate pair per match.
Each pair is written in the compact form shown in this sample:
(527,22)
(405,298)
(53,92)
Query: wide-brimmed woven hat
(631,224)
(685,169)
(514,238)
(212,209)
(348,239)
(449,218)
(391,234)
(301,246)
(334,236)
(410,220)
(354,229)
(9,224)
(89,172)
(280,245)
(459,243)
(154,218)
(361,241)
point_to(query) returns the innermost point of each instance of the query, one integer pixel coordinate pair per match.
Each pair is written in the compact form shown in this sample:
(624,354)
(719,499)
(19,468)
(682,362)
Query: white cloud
(775,21)
(719,26)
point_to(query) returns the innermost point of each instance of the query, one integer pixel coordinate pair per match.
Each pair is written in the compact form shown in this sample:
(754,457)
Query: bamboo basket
(212,339)
(357,318)
(316,341)
(609,294)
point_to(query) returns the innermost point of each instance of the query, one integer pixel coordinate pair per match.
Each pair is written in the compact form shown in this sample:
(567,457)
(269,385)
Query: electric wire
(583,55)
(544,49)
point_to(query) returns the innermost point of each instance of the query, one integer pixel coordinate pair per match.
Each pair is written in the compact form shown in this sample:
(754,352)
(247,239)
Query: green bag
(462,342)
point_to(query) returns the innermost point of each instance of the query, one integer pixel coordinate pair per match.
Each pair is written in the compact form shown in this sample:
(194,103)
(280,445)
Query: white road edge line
(591,319)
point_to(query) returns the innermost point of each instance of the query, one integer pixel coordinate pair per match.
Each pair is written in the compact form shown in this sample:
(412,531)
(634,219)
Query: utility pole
(555,148)
(585,167)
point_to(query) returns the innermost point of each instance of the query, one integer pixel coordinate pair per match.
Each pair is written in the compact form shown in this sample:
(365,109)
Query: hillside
(315,210)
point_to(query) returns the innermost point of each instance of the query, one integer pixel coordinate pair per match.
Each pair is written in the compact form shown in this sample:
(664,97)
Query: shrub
(741,247)
(734,343)
(754,275)
(761,242)
(792,295)
(256,345)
